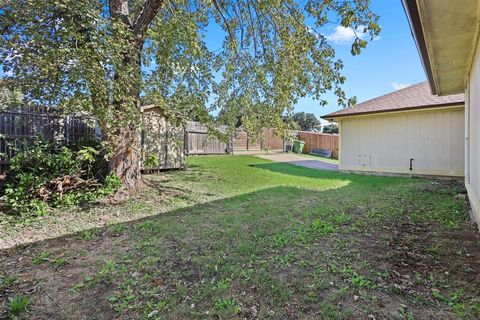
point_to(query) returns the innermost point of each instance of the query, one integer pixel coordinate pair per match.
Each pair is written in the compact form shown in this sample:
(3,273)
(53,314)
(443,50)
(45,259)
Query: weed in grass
(287,259)
(77,287)
(405,314)
(7,281)
(362,282)
(433,250)
(59,262)
(330,311)
(156,306)
(311,296)
(223,285)
(108,268)
(456,302)
(247,273)
(322,228)
(18,304)
(89,235)
(118,228)
(280,240)
(145,226)
(41,258)
(339,219)
(226,304)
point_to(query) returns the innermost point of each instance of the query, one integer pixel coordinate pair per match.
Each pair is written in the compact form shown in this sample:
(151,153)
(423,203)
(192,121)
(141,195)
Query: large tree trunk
(125,141)
(125,160)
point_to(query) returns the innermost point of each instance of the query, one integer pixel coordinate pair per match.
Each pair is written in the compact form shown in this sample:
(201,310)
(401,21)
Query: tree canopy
(330,128)
(108,57)
(306,121)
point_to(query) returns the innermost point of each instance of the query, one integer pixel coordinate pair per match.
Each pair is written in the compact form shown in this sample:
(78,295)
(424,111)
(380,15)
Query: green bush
(151,161)
(46,174)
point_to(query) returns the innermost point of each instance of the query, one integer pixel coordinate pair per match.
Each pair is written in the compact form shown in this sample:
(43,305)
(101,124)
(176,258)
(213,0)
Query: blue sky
(385,65)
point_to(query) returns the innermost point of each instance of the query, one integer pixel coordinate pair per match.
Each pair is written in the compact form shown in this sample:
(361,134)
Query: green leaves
(74,55)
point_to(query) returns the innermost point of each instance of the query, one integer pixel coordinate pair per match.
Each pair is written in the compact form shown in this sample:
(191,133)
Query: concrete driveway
(300,160)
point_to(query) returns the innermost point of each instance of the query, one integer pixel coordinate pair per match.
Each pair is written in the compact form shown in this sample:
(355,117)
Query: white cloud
(399,85)
(342,35)
(347,35)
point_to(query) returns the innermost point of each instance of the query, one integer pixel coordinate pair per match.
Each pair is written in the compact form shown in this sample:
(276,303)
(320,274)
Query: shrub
(47,174)
(151,161)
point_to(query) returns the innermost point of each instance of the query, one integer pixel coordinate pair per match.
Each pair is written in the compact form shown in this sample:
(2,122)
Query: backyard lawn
(245,238)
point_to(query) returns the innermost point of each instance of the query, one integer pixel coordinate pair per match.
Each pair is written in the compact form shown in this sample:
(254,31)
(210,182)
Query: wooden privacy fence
(161,138)
(23,125)
(319,141)
(199,141)
(268,140)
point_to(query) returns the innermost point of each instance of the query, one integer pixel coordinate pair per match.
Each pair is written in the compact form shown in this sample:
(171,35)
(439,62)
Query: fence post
(67,129)
(185,139)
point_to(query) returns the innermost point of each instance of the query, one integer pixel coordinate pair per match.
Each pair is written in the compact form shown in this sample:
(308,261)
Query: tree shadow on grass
(294,170)
(197,246)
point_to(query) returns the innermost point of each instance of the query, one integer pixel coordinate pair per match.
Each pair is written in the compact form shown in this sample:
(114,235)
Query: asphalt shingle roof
(413,97)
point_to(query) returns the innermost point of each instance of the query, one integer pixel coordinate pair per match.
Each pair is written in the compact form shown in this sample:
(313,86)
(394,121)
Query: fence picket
(29,123)
(319,141)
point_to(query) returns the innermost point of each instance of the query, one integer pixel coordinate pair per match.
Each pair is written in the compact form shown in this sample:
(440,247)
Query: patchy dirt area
(152,200)
(264,247)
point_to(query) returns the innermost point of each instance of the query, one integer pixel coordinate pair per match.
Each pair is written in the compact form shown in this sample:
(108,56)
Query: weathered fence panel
(319,141)
(198,141)
(268,140)
(21,126)
(272,141)
(242,142)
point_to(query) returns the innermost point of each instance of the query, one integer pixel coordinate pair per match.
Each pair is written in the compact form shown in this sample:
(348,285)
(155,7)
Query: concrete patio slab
(299,160)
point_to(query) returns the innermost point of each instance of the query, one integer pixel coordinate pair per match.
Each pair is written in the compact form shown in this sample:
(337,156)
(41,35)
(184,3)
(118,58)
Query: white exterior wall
(472,133)
(385,143)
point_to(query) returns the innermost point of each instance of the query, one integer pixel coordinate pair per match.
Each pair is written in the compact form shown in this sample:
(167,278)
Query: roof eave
(413,14)
(334,117)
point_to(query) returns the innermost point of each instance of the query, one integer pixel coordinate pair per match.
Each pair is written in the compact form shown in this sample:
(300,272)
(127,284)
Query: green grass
(18,304)
(250,238)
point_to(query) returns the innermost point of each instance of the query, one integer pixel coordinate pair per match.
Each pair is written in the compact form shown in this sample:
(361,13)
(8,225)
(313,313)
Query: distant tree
(307,121)
(330,128)
(233,119)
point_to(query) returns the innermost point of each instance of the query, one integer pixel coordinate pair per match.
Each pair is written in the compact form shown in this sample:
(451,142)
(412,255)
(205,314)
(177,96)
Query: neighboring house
(403,130)
(447,36)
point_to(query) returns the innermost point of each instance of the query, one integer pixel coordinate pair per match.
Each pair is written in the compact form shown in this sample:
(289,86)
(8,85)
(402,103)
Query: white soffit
(450,29)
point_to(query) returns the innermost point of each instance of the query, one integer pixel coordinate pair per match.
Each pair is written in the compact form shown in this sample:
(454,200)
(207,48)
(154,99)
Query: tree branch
(119,10)
(145,15)
(227,25)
